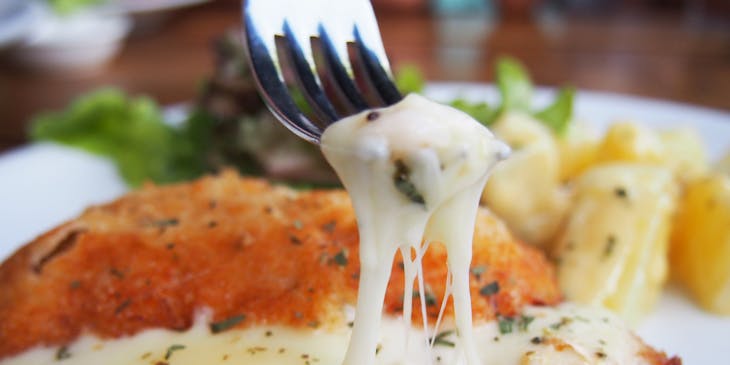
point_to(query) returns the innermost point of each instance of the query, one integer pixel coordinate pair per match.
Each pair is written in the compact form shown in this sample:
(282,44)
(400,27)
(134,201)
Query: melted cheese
(415,172)
(565,335)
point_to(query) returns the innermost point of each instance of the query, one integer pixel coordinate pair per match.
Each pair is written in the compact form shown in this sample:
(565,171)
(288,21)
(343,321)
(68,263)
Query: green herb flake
(329,227)
(427,296)
(163,223)
(610,246)
(341,258)
(226,324)
(505,324)
(75,284)
(172,349)
(563,322)
(63,353)
(122,306)
(478,270)
(524,322)
(621,192)
(298,224)
(490,289)
(441,339)
(403,183)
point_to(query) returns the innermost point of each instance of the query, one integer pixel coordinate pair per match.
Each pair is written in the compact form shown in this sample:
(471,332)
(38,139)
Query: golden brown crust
(236,246)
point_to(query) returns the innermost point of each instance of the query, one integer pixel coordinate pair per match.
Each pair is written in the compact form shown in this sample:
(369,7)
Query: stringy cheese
(415,172)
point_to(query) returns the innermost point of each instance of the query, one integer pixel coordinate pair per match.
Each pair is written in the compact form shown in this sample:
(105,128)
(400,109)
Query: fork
(317,61)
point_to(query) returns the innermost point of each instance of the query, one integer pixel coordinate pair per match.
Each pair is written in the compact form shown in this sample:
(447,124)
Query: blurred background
(52,51)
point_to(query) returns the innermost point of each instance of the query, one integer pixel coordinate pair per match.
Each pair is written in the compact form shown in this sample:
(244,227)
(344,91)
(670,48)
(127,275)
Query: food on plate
(613,250)
(233,270)
(700,253)
(526,190)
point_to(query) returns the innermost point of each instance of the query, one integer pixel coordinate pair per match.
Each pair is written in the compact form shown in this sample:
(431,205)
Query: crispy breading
(236,246)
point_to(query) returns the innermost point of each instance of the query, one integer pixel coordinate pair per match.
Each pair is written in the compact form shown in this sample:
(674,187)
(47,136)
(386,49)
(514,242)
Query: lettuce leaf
(130,131)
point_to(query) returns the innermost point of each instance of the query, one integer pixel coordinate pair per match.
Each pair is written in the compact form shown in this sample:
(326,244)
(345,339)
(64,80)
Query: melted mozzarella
(415,172)
(566,335)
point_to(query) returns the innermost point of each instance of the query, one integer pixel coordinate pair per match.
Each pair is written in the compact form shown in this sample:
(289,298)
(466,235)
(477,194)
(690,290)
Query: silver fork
(328,51)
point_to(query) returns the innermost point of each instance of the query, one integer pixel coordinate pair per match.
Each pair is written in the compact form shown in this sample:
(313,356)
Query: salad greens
(242,134)
(65,7)
(515,89)
(130,131)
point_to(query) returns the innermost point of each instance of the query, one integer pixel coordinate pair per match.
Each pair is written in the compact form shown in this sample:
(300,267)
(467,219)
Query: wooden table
(660,56)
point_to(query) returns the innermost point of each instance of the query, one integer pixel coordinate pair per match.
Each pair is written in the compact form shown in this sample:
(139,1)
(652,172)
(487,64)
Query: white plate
(42,185)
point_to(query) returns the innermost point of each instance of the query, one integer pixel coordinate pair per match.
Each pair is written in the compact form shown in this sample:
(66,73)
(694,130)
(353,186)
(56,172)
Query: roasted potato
(631,142)
(578,149)
(684,153)
(525,189)
(700,252)
(613,250)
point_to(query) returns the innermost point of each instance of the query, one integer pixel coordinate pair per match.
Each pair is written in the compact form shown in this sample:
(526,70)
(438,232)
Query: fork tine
(377,74)
(275,95)
(304,77)
(334,68)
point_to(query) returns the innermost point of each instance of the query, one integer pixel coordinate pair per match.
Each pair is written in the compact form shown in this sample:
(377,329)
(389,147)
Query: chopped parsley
(226,324)
(490,289)
(403,183)
(172,349)
(62,353)
(170,222)
(341,258)
(505,324)
(440,339)
(427,296)
(478,270)
(610,245)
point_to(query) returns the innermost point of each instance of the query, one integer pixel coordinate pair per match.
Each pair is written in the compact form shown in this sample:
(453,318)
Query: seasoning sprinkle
(403,183)
(226,324)
(341,258)
(610,245)
(172,349)
(478,270)
(440,339)
(505,324)
(490,289)
(62,353)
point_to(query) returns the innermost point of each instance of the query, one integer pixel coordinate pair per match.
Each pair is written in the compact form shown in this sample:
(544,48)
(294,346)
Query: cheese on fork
(415,172)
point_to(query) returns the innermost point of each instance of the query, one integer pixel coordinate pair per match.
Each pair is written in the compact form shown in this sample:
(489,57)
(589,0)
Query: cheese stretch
(414,172)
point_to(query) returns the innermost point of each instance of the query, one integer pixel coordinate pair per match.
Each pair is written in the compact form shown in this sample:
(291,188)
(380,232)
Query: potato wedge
(684,153)
(613,250)
(631,142)
(525,189)
(578,149)
(700,252)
